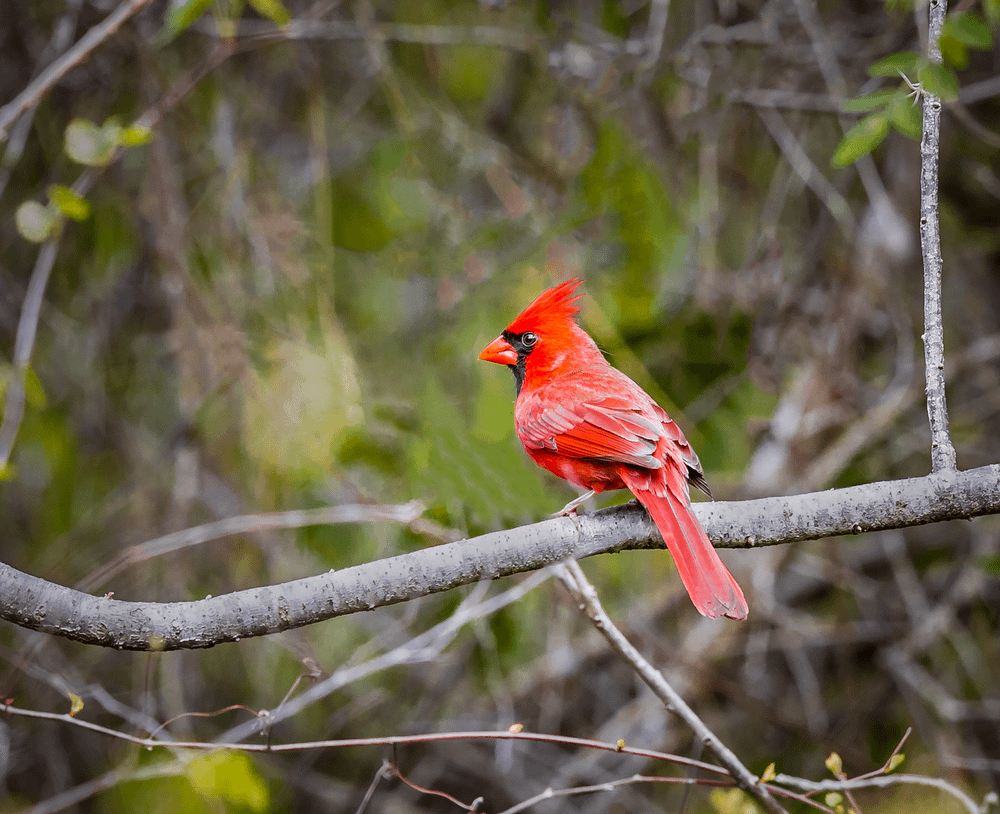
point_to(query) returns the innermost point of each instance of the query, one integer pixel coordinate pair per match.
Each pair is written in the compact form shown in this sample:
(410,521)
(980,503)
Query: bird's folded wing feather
(606,429)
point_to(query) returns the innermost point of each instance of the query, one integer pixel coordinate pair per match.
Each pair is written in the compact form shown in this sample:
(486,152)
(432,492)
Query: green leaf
(939,80)
(861,139)
(134,135)
(35,222)
(833,799)
(969,29)
(230,776)
(871,101)
(992,9)
(732,801)
(834,764)
(894,761)
(954,52)
(34,390)
(769,774)
(894,64)
(906,118)
(70,203)
(181,16)
(273,10)
(88,144)
(75,704)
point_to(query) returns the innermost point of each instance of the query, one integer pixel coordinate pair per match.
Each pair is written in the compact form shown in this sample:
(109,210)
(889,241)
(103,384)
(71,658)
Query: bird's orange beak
(499,351)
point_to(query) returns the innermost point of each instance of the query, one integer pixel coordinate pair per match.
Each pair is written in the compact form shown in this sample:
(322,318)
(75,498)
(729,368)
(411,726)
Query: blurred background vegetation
(277,302)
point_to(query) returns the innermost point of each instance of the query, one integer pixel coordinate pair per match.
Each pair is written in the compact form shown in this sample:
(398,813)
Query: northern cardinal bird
(592,425)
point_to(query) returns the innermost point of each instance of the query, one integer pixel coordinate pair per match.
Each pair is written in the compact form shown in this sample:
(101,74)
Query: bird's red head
(544,337)
(551,309)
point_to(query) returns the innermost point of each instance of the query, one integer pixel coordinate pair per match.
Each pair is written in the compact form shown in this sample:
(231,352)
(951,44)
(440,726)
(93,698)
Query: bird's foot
(569,510)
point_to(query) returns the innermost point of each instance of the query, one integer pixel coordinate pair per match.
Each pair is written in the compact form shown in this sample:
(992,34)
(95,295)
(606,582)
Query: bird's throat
(518,371)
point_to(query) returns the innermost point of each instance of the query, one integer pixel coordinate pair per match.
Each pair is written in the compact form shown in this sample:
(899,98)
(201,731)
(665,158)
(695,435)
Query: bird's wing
(601,414)
(603,428)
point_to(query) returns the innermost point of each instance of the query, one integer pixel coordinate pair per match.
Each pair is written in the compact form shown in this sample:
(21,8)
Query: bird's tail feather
(711,587)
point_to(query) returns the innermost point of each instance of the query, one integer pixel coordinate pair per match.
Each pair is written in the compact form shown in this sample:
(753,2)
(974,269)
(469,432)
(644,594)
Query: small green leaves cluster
(182,15)
(85,143)
(95,145)
(896,108)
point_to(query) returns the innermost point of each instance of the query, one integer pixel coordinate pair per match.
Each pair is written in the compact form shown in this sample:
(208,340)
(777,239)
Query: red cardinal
(592,425)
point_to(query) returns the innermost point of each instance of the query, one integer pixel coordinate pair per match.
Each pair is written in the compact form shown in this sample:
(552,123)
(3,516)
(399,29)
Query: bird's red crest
(552,307)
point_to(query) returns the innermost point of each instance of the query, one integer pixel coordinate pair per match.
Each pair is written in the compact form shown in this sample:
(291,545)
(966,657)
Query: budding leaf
(134,135)
(35,222)
(88,144)
(71,204)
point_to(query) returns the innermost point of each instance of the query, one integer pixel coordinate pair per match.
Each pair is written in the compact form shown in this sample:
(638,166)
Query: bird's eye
(529,339)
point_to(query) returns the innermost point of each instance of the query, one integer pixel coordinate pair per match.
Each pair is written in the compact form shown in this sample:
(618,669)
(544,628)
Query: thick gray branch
(942,450)
(40,605)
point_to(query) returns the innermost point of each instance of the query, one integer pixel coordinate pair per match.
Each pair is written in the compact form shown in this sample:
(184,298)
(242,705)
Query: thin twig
(24,342)
(423,648)
(656,26)
(388,740)
(826,59)
(404,513)
(576,581)
(393,770)
(610,785)
(58,69)
(805,168)
(942,449)
(881,781)
(384,771)
(62,34)
(77,794)
(886,767)
(331,30)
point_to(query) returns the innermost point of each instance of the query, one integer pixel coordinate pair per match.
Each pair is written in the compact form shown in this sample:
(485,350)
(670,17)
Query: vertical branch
(24,342)
(942,450)
(576,581)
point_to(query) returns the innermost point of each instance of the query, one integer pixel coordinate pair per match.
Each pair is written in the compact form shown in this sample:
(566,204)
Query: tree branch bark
(942,449)
(44,606)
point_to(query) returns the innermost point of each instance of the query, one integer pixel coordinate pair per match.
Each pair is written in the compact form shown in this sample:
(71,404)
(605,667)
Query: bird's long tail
(711,587)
